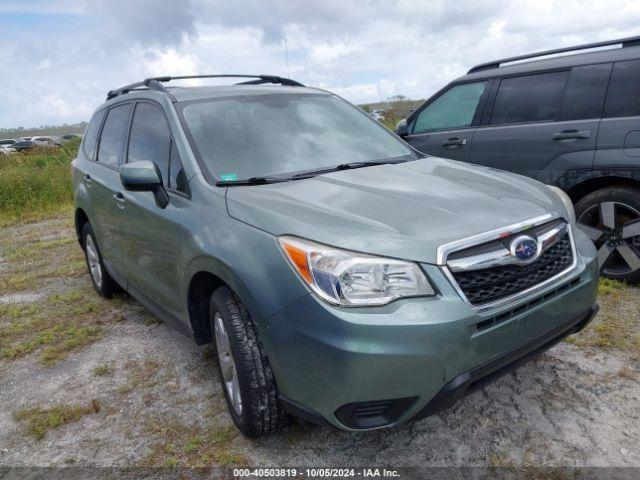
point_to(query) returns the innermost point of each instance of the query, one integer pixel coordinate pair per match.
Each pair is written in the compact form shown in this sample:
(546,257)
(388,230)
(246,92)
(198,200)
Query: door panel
(544,151)
(452,144)
(151,246)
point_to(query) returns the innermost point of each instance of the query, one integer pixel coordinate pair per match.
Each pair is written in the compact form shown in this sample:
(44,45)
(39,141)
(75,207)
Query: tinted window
(246,136)
(453,109)
(112,137)
(178,180)
(91,134)
(150,138)
(585,92)
(623,95)
(532,98)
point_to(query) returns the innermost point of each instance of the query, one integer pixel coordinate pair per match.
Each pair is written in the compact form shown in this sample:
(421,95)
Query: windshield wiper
(251,181)
(307,174)
(346,166)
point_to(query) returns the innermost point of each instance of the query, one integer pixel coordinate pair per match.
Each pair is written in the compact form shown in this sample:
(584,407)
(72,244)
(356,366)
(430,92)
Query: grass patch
(606,286)
(56,326)
(36,184)
(617,325)
(203,446)
(102,370)
(38,421)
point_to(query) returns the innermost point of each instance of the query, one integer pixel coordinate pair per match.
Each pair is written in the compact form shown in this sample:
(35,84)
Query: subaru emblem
(525,248)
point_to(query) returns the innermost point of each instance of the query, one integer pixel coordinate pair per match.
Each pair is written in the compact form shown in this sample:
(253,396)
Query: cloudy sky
(60,57)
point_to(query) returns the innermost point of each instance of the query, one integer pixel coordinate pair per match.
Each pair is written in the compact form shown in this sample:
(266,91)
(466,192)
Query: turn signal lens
(347,278)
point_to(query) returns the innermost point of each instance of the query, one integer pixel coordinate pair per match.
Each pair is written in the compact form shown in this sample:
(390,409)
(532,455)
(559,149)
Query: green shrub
(36,183)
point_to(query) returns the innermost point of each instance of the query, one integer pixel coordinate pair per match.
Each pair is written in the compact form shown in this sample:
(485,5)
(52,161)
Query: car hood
(404,210)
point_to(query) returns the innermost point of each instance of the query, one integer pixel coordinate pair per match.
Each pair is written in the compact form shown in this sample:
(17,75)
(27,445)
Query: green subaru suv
(343,277)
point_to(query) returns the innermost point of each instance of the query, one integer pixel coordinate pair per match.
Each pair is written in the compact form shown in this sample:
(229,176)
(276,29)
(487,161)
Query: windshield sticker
(228,177)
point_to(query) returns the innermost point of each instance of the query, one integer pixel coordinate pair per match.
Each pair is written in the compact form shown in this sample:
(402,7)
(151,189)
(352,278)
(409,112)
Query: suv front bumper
(364,368)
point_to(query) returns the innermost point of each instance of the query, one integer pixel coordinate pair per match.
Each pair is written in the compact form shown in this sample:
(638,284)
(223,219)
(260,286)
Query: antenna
(286,53)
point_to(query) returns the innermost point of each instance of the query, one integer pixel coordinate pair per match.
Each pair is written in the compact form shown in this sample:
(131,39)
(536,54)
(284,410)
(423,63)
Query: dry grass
(617,325)
(38,420)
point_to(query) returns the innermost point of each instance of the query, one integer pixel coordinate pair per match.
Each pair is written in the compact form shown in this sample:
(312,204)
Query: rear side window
(531,98)
(585,92)
(150,138)
(91,134)
(453,109)
(623,95)
(112,137)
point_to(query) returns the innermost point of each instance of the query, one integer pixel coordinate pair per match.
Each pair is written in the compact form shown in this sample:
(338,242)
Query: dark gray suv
(572,121)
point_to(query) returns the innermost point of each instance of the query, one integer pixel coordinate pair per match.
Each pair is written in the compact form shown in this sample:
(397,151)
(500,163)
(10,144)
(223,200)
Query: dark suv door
(543,125)
(444,126)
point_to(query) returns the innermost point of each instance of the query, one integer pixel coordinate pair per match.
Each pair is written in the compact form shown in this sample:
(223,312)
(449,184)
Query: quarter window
(623,96)
(150,138)
(531,98)
(453,109)
(91,134)
(112,137)
(585,92)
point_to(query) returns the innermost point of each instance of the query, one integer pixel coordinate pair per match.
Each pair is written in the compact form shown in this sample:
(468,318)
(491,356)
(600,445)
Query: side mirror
(402,129)
(144,176)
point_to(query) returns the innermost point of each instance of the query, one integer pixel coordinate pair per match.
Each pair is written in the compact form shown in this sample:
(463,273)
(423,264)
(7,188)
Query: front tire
(102,281)
(246,376)
(611,218)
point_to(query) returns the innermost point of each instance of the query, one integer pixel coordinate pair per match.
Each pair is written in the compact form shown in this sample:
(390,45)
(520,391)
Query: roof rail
(155,83)
(625,42)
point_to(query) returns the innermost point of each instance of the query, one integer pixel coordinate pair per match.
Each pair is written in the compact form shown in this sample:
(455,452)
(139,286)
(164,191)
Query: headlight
(353,279)
(567,203)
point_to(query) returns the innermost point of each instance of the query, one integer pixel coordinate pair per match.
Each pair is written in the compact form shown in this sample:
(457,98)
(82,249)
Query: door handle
(454,142)
(572,135)
(87,179)
(120,199)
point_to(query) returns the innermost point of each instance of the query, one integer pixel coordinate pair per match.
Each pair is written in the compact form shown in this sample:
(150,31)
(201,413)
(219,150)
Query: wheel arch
(205,276)
(81,219)
(592,184)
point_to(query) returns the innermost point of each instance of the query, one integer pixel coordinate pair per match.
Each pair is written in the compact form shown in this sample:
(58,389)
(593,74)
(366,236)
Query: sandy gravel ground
(88,382)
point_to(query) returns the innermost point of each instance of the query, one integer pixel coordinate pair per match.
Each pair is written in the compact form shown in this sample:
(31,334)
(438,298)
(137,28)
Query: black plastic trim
(373,414)
(474,379)
(305,413)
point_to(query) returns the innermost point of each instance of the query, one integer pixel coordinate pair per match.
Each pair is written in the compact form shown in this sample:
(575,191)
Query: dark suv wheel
(246,376)
(611,218)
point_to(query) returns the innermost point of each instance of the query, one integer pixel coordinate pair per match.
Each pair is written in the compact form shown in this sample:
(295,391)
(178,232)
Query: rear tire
(102,281)
(606,215)
(245,374)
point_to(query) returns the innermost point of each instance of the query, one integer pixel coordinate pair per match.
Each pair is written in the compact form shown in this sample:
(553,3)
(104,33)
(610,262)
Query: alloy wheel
(227,364)
(614,227)
(95,269)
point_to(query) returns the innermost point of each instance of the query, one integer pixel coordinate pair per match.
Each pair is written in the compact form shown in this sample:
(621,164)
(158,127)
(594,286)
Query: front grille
(491,284)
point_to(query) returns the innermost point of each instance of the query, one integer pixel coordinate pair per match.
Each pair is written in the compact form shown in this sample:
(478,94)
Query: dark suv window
(91,134)
(531,98)
(150,138)
(585,92)
(112,137)
(455,108)
(623,95)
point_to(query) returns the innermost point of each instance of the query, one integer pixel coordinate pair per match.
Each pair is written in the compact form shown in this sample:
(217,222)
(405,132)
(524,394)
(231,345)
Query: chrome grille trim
(503,256)
(549,237)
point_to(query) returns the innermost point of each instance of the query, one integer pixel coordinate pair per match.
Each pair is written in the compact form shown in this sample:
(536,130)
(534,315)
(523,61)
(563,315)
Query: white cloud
(57,68)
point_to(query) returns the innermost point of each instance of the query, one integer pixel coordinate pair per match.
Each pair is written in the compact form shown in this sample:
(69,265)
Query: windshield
(274,134)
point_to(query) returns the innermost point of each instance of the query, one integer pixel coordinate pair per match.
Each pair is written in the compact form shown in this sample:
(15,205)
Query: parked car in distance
(379,114)
(7,142)
(70,136)
(42,141)
(23,145)
(572,121)
(342,276)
